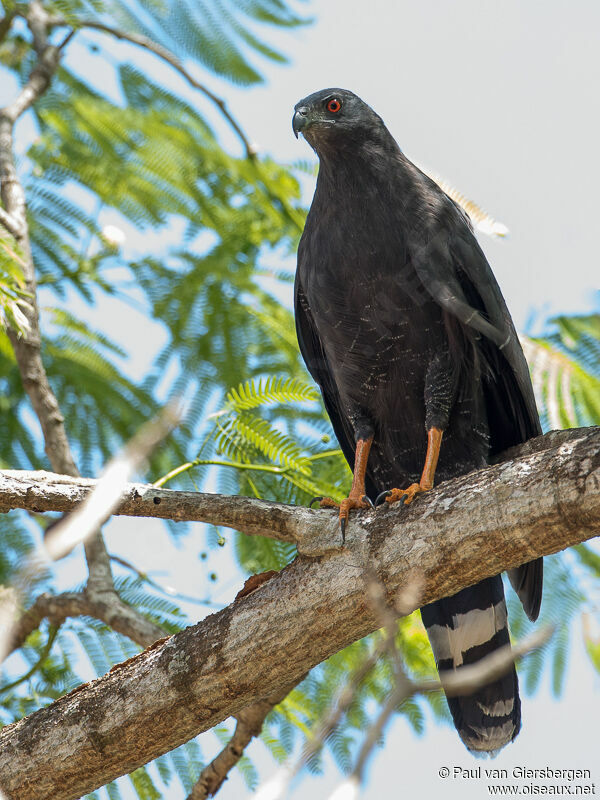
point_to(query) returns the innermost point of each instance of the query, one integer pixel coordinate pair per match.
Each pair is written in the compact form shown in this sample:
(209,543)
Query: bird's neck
(350,169)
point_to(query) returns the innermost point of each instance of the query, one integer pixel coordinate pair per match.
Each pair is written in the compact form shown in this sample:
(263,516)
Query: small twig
(277,786)
(375,731)
(169,58)
(468,678)
(338,708)
(44,655)
(217,463)
(405,602)
(198,462)
(249,724)
(5,24)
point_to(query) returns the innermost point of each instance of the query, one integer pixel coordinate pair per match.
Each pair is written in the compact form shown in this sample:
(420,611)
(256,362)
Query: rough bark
(467,529)
(46,491)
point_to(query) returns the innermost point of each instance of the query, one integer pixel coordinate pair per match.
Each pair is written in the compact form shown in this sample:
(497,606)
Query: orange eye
(334,105)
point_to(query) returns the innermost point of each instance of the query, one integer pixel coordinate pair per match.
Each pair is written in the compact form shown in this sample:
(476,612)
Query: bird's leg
(357,497)
(434,440)
(440,397)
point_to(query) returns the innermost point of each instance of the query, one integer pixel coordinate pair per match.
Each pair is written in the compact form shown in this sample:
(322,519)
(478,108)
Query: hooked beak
(300,120)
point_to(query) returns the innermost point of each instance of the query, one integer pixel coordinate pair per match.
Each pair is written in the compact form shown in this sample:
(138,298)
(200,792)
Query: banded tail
(463,629)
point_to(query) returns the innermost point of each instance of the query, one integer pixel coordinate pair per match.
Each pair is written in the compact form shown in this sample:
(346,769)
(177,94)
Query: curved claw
(314,500)
(343,527)
(367,500)
(381,498)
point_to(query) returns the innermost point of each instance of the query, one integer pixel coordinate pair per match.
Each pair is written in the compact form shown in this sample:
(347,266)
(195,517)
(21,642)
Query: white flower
(113,235)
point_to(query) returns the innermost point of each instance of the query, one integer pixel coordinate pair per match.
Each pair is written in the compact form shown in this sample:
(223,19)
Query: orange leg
(434,441)
(357,497)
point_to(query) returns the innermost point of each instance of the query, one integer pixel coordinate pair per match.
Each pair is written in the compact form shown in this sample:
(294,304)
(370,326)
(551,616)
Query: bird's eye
(334,105)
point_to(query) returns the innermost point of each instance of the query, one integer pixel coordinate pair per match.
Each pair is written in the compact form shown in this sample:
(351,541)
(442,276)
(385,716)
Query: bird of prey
(402,324)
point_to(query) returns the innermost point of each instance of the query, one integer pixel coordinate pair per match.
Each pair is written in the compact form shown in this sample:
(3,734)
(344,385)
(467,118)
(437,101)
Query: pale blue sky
(501,100)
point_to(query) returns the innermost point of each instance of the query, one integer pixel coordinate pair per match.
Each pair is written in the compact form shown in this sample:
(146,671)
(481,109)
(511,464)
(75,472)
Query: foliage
(13,296)
(133,152)
(565,371)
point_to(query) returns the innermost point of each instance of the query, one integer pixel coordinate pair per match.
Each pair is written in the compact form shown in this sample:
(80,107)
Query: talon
(381,498)
(367,500)
(402,496)
(343,527)
(314,500)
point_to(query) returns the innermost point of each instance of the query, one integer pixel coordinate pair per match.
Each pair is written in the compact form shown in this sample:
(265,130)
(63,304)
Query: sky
(499,99)
(502,101)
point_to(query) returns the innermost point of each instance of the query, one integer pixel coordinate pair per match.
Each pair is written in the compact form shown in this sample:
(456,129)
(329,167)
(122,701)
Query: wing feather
(454,271)
(315,359)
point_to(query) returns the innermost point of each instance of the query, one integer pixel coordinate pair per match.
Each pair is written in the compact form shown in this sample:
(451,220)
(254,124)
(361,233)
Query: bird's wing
(455,273)
(315,359)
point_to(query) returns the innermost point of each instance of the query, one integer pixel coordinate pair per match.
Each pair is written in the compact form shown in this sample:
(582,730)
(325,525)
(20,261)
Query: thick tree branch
(468,529)
(313,532)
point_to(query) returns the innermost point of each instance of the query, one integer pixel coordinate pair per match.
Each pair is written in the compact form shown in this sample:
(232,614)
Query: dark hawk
(403,326)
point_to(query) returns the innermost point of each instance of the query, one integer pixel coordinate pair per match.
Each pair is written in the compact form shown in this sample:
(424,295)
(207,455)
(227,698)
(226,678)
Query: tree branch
(468,529)
(27,348)
(11,225)
(315,532)
(249,724)
(107,608)
(170,58)
(5,24)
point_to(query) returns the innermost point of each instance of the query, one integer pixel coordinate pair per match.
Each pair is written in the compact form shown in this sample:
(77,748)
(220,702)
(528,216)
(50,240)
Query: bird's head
(336,119)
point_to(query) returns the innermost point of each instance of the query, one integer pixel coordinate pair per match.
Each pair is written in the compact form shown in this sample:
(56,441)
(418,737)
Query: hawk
(403,326)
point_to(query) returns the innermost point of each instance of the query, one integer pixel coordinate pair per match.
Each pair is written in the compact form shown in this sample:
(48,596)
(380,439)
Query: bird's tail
(463,629)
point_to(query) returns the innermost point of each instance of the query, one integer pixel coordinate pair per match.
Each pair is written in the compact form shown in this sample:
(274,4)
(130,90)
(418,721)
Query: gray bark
(465,530)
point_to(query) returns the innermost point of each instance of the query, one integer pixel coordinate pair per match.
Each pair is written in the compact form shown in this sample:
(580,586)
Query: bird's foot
(397,495)
(353,501)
